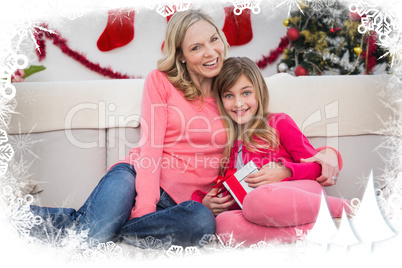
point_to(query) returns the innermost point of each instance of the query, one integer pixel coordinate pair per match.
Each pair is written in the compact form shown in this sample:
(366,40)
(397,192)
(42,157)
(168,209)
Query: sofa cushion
(68,167)
(49,106)
(331,105)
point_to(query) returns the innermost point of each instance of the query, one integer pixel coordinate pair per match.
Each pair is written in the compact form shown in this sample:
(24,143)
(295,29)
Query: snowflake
(300,234)
(17,176)
(75,239)
(150,242)
(389,87)
(29,30)
(72,14)
(207,240)
(3,136)
(8,65)
(179,252)
(17,212)
(148,248)
(68,9)
(25,47)
(361,182)
(175,252)
(6,152)
(183,6)
(7,90)
(191,252)
(28,96)
(391,179)
(240,5)
(50,235)
(121,14)
(397,71)
(22,143)
(372,19)
(228,243)
(166,10)
(392,125)
(110,250)
(321,7)
(262,245)
(292,3)
(394,47)
(88,256)
(7,107)
(3,168)
(11,62)
(103,252)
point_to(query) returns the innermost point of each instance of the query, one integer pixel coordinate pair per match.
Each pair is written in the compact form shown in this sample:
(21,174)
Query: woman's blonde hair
(258,133)
(171,63)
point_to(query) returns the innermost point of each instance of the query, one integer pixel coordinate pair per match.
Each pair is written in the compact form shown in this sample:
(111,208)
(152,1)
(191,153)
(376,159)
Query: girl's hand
(270,173)
(217,204)
(328,160)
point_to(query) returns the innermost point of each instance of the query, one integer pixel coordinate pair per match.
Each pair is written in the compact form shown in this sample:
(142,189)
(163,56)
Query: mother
(182,143)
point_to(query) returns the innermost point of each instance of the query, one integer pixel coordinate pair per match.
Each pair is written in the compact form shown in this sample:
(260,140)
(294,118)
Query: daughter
(287,197)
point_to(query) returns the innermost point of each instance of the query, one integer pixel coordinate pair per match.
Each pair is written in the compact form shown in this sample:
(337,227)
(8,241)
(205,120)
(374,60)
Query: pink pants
(278,212)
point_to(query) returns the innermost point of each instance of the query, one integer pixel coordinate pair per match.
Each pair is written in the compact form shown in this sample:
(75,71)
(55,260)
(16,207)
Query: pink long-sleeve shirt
(293,146)
(181,145)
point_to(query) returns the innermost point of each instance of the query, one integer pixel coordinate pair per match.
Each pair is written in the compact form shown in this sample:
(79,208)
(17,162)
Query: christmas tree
(324,39)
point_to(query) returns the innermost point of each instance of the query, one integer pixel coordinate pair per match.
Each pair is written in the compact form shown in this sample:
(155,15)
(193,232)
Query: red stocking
(237,28)
(119,30)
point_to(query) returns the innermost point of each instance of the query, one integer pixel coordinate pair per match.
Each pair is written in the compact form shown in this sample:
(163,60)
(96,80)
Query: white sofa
(74,131)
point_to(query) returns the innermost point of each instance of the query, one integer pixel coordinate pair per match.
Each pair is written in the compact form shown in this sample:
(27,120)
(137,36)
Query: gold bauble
(358,50)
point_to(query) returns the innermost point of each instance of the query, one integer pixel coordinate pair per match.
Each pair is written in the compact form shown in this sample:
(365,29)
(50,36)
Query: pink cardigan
(293,146)
(181,145)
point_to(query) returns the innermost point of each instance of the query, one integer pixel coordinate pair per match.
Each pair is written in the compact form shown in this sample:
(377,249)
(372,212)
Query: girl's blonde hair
(258,133)
(171,63)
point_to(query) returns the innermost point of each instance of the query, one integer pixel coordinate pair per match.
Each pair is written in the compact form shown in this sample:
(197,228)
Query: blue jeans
(107,210)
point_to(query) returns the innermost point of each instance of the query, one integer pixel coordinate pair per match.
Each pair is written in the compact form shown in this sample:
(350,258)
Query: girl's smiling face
(240,101)
(203,51)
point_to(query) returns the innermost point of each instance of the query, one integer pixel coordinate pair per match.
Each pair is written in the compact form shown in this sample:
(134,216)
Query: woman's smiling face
(203,51)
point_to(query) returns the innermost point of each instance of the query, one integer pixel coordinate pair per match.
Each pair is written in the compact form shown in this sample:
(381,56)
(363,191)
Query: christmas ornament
(61,43)
(237,28)
(333,30)
(357,50)
(354,16)
(293,34)
(299,71)
(282,67)
(286,22)
(119,30)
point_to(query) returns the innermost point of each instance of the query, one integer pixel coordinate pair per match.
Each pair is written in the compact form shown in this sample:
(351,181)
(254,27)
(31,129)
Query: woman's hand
(269,173)
(217,204)
(328,160)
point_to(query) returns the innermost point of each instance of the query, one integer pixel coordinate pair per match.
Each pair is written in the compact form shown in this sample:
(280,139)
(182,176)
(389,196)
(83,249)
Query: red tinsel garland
(61,43)
(370,53)
(274,54)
